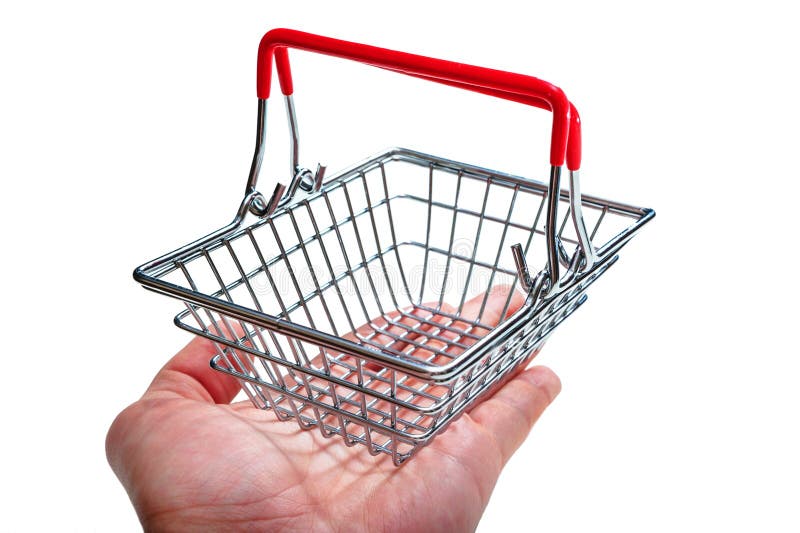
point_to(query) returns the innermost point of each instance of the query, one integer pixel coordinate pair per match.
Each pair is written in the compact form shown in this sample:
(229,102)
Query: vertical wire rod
(553,193)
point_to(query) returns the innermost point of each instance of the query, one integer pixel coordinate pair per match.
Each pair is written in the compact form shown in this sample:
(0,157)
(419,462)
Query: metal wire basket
(341,303)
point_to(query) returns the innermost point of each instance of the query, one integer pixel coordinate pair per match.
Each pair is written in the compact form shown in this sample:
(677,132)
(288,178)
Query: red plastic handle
(573,143)
(507,85)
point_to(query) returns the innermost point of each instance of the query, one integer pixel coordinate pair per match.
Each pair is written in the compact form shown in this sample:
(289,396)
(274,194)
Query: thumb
(189,375)
(512,411)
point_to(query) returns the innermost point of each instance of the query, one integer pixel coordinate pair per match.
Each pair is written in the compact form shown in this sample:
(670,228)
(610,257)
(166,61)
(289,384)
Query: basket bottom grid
(433,335)
(382,409)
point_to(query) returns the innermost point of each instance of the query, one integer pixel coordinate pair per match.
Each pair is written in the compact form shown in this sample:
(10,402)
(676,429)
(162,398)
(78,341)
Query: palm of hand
(189,458)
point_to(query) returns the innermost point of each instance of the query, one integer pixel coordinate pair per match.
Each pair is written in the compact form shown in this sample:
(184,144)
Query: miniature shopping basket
(379,304)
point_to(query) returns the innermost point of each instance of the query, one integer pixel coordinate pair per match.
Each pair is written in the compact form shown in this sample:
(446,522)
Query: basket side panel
(409,258)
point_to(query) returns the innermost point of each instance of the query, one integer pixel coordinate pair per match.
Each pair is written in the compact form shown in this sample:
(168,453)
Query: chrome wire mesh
(386,257)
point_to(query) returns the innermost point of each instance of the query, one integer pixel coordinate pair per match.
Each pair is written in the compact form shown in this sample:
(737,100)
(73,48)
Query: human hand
(191,459)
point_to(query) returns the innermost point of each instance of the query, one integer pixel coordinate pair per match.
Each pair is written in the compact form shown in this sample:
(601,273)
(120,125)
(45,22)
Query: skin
(192,460)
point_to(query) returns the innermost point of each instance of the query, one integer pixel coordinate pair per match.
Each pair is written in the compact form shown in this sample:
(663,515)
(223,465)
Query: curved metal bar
(533,287)
(563,256)
(553,193)
(523,273)
(589,254)
(539,287)
(585,255)
(258,155)
(294,132)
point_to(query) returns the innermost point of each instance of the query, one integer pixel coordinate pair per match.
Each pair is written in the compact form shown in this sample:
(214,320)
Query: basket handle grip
(510,86)
(574,140)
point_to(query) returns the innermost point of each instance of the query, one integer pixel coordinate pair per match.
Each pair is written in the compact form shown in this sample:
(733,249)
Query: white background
(127,129)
